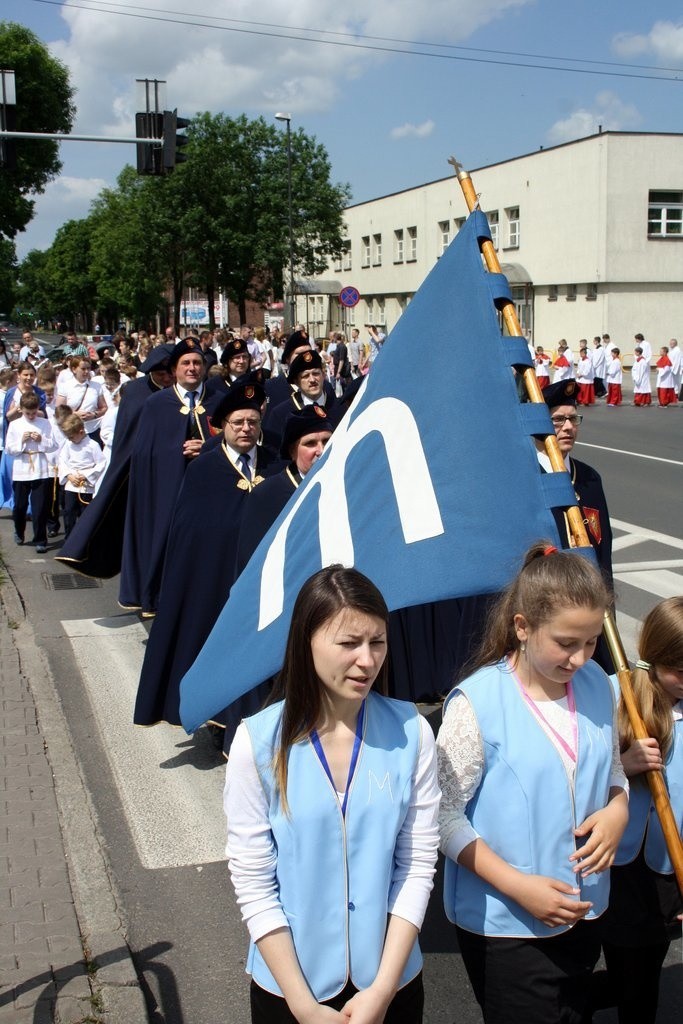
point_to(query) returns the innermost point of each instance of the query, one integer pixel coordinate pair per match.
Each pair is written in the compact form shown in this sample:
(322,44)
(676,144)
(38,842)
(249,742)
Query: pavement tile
(36,947)
(29,996)
(25,931)
(29,912)
(71,1011)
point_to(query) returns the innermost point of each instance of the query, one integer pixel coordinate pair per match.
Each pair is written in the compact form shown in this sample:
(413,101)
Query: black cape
(157,468)
(194,588)
(95,545)
(265,505)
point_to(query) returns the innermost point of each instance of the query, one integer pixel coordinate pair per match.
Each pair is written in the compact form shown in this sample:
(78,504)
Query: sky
(396,88)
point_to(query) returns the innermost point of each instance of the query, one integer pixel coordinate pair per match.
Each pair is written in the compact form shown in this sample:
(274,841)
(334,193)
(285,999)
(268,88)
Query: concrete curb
(94,890)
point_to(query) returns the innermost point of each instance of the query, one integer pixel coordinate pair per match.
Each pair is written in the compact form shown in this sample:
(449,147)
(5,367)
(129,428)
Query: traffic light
(174,143)
(149,156)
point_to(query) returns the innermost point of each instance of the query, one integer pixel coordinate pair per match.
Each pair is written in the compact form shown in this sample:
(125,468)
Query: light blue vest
(524,807)
(335,875)
(643,822)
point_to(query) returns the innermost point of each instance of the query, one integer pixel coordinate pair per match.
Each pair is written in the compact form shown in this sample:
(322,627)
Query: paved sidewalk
(63,955)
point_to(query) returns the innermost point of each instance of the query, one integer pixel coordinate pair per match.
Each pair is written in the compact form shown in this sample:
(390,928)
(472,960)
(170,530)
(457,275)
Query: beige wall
(582,218)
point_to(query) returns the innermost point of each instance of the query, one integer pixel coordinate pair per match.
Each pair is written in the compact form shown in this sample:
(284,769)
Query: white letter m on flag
(415,498)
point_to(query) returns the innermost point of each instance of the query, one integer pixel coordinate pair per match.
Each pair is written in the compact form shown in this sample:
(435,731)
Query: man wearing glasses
(561,401)
(590,497)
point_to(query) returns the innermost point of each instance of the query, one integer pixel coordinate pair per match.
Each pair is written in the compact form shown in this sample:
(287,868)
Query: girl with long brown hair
(534,800)
(645,903)
(331,802)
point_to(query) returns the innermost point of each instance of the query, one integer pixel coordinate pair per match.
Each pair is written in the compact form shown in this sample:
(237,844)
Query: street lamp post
(292,297)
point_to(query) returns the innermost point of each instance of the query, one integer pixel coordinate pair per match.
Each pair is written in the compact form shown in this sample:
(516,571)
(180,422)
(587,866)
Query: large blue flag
(430,485)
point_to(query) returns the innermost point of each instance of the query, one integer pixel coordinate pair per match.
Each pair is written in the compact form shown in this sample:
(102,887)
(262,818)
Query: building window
(316,308)
(365,251)
(346,255)
(337,264)
(512,215)
(412,245)
(571,293)
(377,250)
(492,218)
(399,252)
(665,215)
(443,237)
(591,292)
(552,293)
(381,316)
(459,223)
(350,315)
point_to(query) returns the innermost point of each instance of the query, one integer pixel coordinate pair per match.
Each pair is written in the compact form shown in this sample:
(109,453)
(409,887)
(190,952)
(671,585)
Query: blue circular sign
(349,296)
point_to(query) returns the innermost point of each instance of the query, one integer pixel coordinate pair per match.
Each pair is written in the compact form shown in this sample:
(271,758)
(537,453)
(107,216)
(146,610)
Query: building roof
(522,156)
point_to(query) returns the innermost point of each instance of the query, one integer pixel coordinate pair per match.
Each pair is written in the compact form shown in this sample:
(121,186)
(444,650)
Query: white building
(589,233)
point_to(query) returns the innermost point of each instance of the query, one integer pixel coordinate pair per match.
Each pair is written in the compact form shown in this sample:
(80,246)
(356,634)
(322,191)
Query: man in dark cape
(216,493)
(279,388)
(307,379)
(172,428)
(95,544)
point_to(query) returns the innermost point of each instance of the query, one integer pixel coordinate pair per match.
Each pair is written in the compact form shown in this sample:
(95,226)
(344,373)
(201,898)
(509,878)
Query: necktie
(245,465)
(194,433)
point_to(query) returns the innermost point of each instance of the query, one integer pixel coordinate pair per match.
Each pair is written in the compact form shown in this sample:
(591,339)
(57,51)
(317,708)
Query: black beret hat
(295,340)
(158,359)
(184,347)
(240,396)
(309,420)
(563,392)
(236,347)
(304,361)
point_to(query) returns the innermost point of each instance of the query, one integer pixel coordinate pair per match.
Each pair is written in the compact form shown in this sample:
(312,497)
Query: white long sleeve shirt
(252,854)
(31,458)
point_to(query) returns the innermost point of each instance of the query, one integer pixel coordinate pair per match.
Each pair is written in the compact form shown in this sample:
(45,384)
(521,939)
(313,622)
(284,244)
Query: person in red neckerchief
(666,393)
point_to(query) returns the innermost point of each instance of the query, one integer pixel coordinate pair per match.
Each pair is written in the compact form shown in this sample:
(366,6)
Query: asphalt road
(157,792)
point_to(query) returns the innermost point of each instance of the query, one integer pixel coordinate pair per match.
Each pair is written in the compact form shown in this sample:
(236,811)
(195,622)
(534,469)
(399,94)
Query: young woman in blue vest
(331,801)
(534,796)
(645,903)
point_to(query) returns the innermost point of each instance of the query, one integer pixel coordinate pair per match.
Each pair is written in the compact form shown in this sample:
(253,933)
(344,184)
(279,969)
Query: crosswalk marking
(175,816)
(644,534)
(665,563)
(662,582)
(635,455)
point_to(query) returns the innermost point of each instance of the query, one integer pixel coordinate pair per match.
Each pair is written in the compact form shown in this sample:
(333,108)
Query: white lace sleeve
(460,759)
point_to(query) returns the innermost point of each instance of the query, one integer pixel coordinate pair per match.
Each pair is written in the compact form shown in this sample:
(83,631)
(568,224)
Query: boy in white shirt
(29,439)
(80,464)
(614,375)
(640,371)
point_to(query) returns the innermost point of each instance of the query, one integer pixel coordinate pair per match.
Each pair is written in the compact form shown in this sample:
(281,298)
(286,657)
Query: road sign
(349,296)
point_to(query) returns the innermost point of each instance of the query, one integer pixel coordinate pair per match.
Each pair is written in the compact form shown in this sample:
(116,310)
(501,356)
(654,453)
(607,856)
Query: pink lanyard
(559,740)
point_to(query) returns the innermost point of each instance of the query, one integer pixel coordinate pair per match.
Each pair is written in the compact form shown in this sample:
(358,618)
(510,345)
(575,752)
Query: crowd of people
(169,459)
(599,372)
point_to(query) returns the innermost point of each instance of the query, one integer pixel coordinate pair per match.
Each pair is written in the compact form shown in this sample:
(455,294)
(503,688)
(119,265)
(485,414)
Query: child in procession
(534,795)
(80,464)
(615,377)
(29,440)
(645,904)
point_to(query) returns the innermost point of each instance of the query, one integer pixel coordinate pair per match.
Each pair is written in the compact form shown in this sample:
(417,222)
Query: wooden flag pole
(655,780)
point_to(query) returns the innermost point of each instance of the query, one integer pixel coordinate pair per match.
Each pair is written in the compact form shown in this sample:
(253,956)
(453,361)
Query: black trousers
(406,1007)
(40,494)
(73,506)
(532,981)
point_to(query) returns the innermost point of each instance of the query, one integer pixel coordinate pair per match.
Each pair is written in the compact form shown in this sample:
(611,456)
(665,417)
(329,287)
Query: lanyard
(317,746)
(559,740)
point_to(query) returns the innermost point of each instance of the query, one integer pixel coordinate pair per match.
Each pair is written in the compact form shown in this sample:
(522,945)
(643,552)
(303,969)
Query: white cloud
(607,110)
(65,198)
(416,131)
(664,42)
(207,68)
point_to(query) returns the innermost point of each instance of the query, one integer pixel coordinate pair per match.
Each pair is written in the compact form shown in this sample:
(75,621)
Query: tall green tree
(44,104)
(236,213)
(69,280)
(33,297)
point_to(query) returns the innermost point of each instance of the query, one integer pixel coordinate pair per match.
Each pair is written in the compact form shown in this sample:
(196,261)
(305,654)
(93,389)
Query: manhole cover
(69,581)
